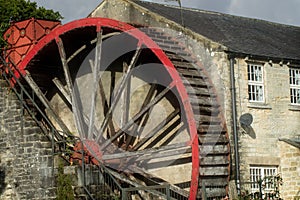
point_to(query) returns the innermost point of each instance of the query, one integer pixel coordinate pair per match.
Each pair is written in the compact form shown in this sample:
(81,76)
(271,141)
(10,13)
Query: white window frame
(294,86)
(256,83)
(259,173)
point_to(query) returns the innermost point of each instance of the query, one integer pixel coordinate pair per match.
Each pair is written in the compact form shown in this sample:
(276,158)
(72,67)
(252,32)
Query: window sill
(294,107)
(259,105)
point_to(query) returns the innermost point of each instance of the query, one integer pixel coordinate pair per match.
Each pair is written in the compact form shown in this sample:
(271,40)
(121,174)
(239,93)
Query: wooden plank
(63,58)
(91,42)
(164,151)
(206,150)
(165,134)
(105,107)
(213,192)
(211,128)
(141,123)
(107,35)
(211,160)
(125,108)
(213,139)
(75,108)
(198,91)
(211,110)
(214,171)
(167,157)
(171,47)
(206,101)
(119,91)
(95,67)
(168,162)
(126,98)
(45,102)
(184,65)
(175,57)
(214,181)
(195,83)
(200,119)
(195,74)
(138,115)
(112,85)
(62,89)
(156,129)
(76,53)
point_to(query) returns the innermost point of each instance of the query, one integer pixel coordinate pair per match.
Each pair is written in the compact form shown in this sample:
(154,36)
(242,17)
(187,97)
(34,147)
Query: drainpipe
(234,124)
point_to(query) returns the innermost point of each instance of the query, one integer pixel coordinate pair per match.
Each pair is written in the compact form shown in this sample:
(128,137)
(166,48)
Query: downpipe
(234,125)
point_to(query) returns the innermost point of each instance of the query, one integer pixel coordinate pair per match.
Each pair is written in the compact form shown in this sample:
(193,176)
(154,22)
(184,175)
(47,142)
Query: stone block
(43,138)
(27,144)
(47,144)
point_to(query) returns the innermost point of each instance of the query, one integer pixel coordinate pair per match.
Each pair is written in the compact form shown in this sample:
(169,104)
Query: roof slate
(239,34)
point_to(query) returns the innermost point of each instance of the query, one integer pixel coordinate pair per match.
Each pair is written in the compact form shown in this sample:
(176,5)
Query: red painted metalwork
(22,36)
(82,153)
(144,39)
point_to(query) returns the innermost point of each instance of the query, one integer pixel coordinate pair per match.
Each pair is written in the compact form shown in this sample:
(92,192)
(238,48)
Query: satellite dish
(246,121)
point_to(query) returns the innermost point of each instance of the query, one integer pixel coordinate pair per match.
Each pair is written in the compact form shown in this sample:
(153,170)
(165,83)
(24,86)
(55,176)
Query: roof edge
(288,61)
(97,7)
(217,13)
(293,142)
(182,28)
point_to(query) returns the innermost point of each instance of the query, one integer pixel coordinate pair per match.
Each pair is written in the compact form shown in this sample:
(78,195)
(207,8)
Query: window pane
(297,78)
(259,93)
(265,174)
(294,85)
(249,73)
(255,84)
(256,93)
(258,74)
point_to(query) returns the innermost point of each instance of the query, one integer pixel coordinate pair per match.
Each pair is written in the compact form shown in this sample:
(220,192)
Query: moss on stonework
(64,185)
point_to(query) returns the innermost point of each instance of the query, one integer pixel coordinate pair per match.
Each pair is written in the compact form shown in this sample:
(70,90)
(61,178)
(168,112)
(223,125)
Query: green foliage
(16,10)
(64,185)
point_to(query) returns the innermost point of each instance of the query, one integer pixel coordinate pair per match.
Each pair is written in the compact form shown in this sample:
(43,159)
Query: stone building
(241,77)
(263,60)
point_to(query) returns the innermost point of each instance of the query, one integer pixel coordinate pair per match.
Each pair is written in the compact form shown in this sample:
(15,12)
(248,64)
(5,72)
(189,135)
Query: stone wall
(28,169)
(25,153)
(290,170)
(275,118)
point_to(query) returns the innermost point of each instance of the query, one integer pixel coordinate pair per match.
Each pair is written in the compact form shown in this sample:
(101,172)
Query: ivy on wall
(64,185)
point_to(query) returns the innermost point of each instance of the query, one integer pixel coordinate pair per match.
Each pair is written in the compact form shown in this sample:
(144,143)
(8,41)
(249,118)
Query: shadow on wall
(2,180)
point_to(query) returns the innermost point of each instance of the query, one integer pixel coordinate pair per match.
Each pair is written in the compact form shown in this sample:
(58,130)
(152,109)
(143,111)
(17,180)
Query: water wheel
(139,109)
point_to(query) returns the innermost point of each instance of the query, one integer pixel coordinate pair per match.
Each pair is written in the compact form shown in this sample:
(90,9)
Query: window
(263,173)
(295,86)
(255,83)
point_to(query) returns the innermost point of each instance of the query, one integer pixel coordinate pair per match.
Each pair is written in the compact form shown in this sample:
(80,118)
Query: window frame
(294,88)
(255,81)
(264,171)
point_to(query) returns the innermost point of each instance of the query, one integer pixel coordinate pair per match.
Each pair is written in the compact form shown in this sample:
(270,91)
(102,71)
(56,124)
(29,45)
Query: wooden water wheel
(138,107)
